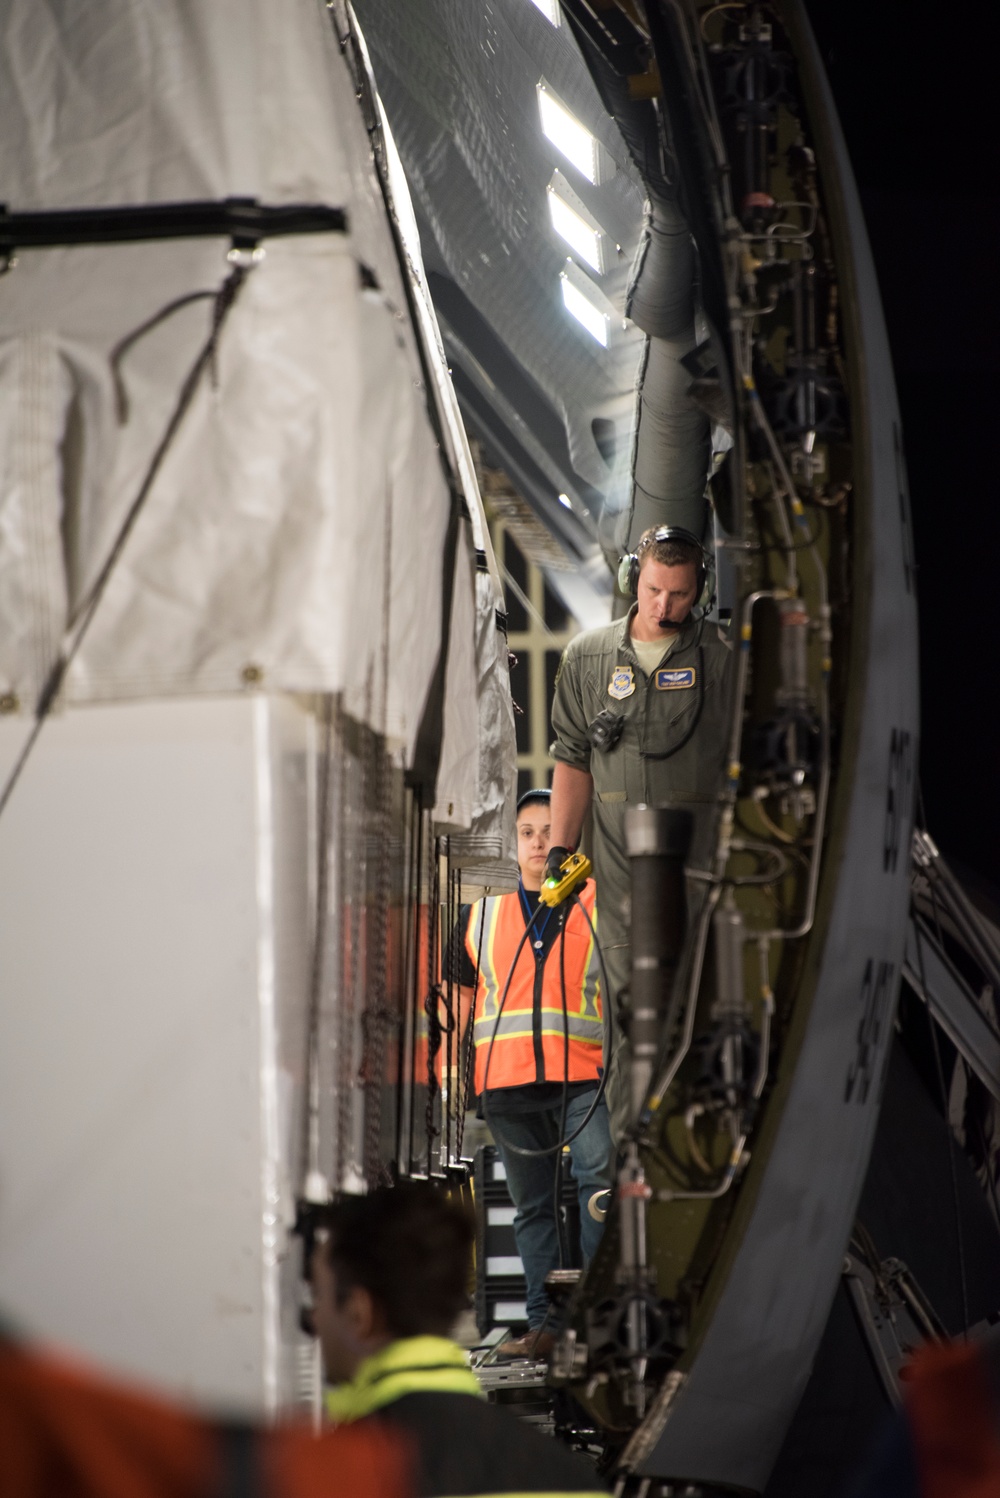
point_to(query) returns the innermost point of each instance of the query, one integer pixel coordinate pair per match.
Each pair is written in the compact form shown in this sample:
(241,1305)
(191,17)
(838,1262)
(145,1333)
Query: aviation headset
(628,569)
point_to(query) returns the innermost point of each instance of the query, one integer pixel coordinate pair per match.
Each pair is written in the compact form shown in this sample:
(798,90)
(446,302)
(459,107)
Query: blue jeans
(531,1180)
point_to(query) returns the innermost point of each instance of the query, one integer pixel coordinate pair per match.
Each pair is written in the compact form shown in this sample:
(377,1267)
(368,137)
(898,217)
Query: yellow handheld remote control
(574,870)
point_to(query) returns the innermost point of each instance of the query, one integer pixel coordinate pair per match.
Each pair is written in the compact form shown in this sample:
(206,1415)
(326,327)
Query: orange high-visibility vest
(953,1408)
(530,1044)
(68,1431)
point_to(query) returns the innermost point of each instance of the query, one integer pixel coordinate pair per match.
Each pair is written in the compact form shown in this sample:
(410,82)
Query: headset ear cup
(628,571)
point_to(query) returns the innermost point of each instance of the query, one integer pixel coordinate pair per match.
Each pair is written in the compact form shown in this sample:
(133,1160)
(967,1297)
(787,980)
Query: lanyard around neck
(530,919)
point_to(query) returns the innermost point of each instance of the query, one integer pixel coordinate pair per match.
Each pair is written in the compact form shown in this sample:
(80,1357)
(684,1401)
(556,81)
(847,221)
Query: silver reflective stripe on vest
(518,1025)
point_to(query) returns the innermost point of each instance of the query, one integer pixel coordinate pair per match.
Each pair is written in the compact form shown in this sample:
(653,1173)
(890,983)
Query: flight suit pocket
(608,770)
(674,718)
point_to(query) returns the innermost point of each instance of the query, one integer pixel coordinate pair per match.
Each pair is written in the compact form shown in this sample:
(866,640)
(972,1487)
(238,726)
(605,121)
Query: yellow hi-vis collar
(413,1365)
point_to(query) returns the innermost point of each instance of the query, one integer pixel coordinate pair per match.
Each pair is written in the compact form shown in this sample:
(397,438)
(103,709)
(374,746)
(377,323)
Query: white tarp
(487,852)
(294,534)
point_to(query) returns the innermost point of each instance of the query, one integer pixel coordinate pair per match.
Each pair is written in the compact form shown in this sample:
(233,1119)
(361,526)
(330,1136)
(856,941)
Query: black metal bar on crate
(243,220)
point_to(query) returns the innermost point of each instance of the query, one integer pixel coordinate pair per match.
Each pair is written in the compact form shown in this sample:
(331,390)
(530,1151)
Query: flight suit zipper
(675,716)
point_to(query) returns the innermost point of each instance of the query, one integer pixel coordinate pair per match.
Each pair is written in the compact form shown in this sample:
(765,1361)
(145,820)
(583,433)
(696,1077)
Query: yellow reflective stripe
(348,1403)
(492,999)
(591,1002)
(411,1365)
(472,928)
(487,963)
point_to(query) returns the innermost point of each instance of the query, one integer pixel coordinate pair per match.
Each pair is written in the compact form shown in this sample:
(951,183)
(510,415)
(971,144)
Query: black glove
(553,864)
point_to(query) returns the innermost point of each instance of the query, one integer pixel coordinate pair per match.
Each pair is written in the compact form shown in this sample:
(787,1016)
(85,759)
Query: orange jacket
(953,1405)
(945,1441)
(66,1431)
(530,1044)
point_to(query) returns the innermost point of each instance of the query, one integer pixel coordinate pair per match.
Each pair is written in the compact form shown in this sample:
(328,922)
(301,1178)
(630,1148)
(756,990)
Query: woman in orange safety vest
(539,1059)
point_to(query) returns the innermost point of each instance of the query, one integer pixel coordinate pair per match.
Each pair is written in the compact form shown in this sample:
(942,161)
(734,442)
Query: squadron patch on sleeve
(622,683)
(670,681)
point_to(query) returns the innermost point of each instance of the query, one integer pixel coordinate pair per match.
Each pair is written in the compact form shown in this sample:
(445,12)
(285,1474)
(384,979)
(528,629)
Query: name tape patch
(672,681)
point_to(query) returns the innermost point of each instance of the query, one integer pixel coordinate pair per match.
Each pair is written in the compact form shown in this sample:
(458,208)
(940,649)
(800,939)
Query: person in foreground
(944,1442)
(69,1431)
(538,1065)
(388,1284)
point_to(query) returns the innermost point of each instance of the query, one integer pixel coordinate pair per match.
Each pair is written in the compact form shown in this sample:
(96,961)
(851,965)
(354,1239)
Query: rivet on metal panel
(251,675)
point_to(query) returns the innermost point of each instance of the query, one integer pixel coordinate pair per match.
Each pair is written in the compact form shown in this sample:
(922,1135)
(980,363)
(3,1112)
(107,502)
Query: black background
(918,91)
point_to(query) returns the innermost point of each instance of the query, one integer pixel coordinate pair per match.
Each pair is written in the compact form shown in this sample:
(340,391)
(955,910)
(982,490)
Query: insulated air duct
(671,449)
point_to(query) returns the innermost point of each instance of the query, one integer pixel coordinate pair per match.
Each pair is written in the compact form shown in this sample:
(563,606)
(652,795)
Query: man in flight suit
(640,716)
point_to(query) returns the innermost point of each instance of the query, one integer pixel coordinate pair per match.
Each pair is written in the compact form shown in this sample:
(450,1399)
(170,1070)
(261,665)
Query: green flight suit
(599,671)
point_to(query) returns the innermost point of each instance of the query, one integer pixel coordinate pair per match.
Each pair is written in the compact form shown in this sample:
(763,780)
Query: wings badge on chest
(679,678)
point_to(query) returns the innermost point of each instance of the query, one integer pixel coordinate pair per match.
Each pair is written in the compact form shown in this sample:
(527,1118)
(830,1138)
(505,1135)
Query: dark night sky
(918,92)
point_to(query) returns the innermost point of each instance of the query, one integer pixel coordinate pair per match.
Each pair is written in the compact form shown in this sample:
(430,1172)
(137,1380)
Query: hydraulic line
(690,996)
(736,1153)
(968,923)
(952,1143)
(823,785)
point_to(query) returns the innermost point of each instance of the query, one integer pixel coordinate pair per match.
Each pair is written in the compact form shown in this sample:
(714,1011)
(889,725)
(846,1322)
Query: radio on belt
(573,870)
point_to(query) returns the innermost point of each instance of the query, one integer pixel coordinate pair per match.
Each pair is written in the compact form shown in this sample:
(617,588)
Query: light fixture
(566,133)
(550,10)
(583,309)
(574,224)
(564,499)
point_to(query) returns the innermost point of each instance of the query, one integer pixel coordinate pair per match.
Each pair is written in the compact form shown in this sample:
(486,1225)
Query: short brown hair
(410,1247)
(669,553)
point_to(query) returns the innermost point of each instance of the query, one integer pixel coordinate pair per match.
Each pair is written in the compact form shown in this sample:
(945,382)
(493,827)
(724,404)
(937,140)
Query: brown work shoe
(534,1345)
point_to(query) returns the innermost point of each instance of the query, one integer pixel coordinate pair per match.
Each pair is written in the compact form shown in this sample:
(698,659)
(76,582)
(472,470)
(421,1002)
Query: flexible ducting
(672,439)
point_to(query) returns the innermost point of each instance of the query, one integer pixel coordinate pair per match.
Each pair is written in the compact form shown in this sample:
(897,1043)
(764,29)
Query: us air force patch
(622,683)
(670,681)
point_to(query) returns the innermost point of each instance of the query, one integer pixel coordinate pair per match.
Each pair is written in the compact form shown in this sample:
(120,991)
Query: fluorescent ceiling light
(550,10)
(587,315)
(564,130)
(564,499)
(571,226)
